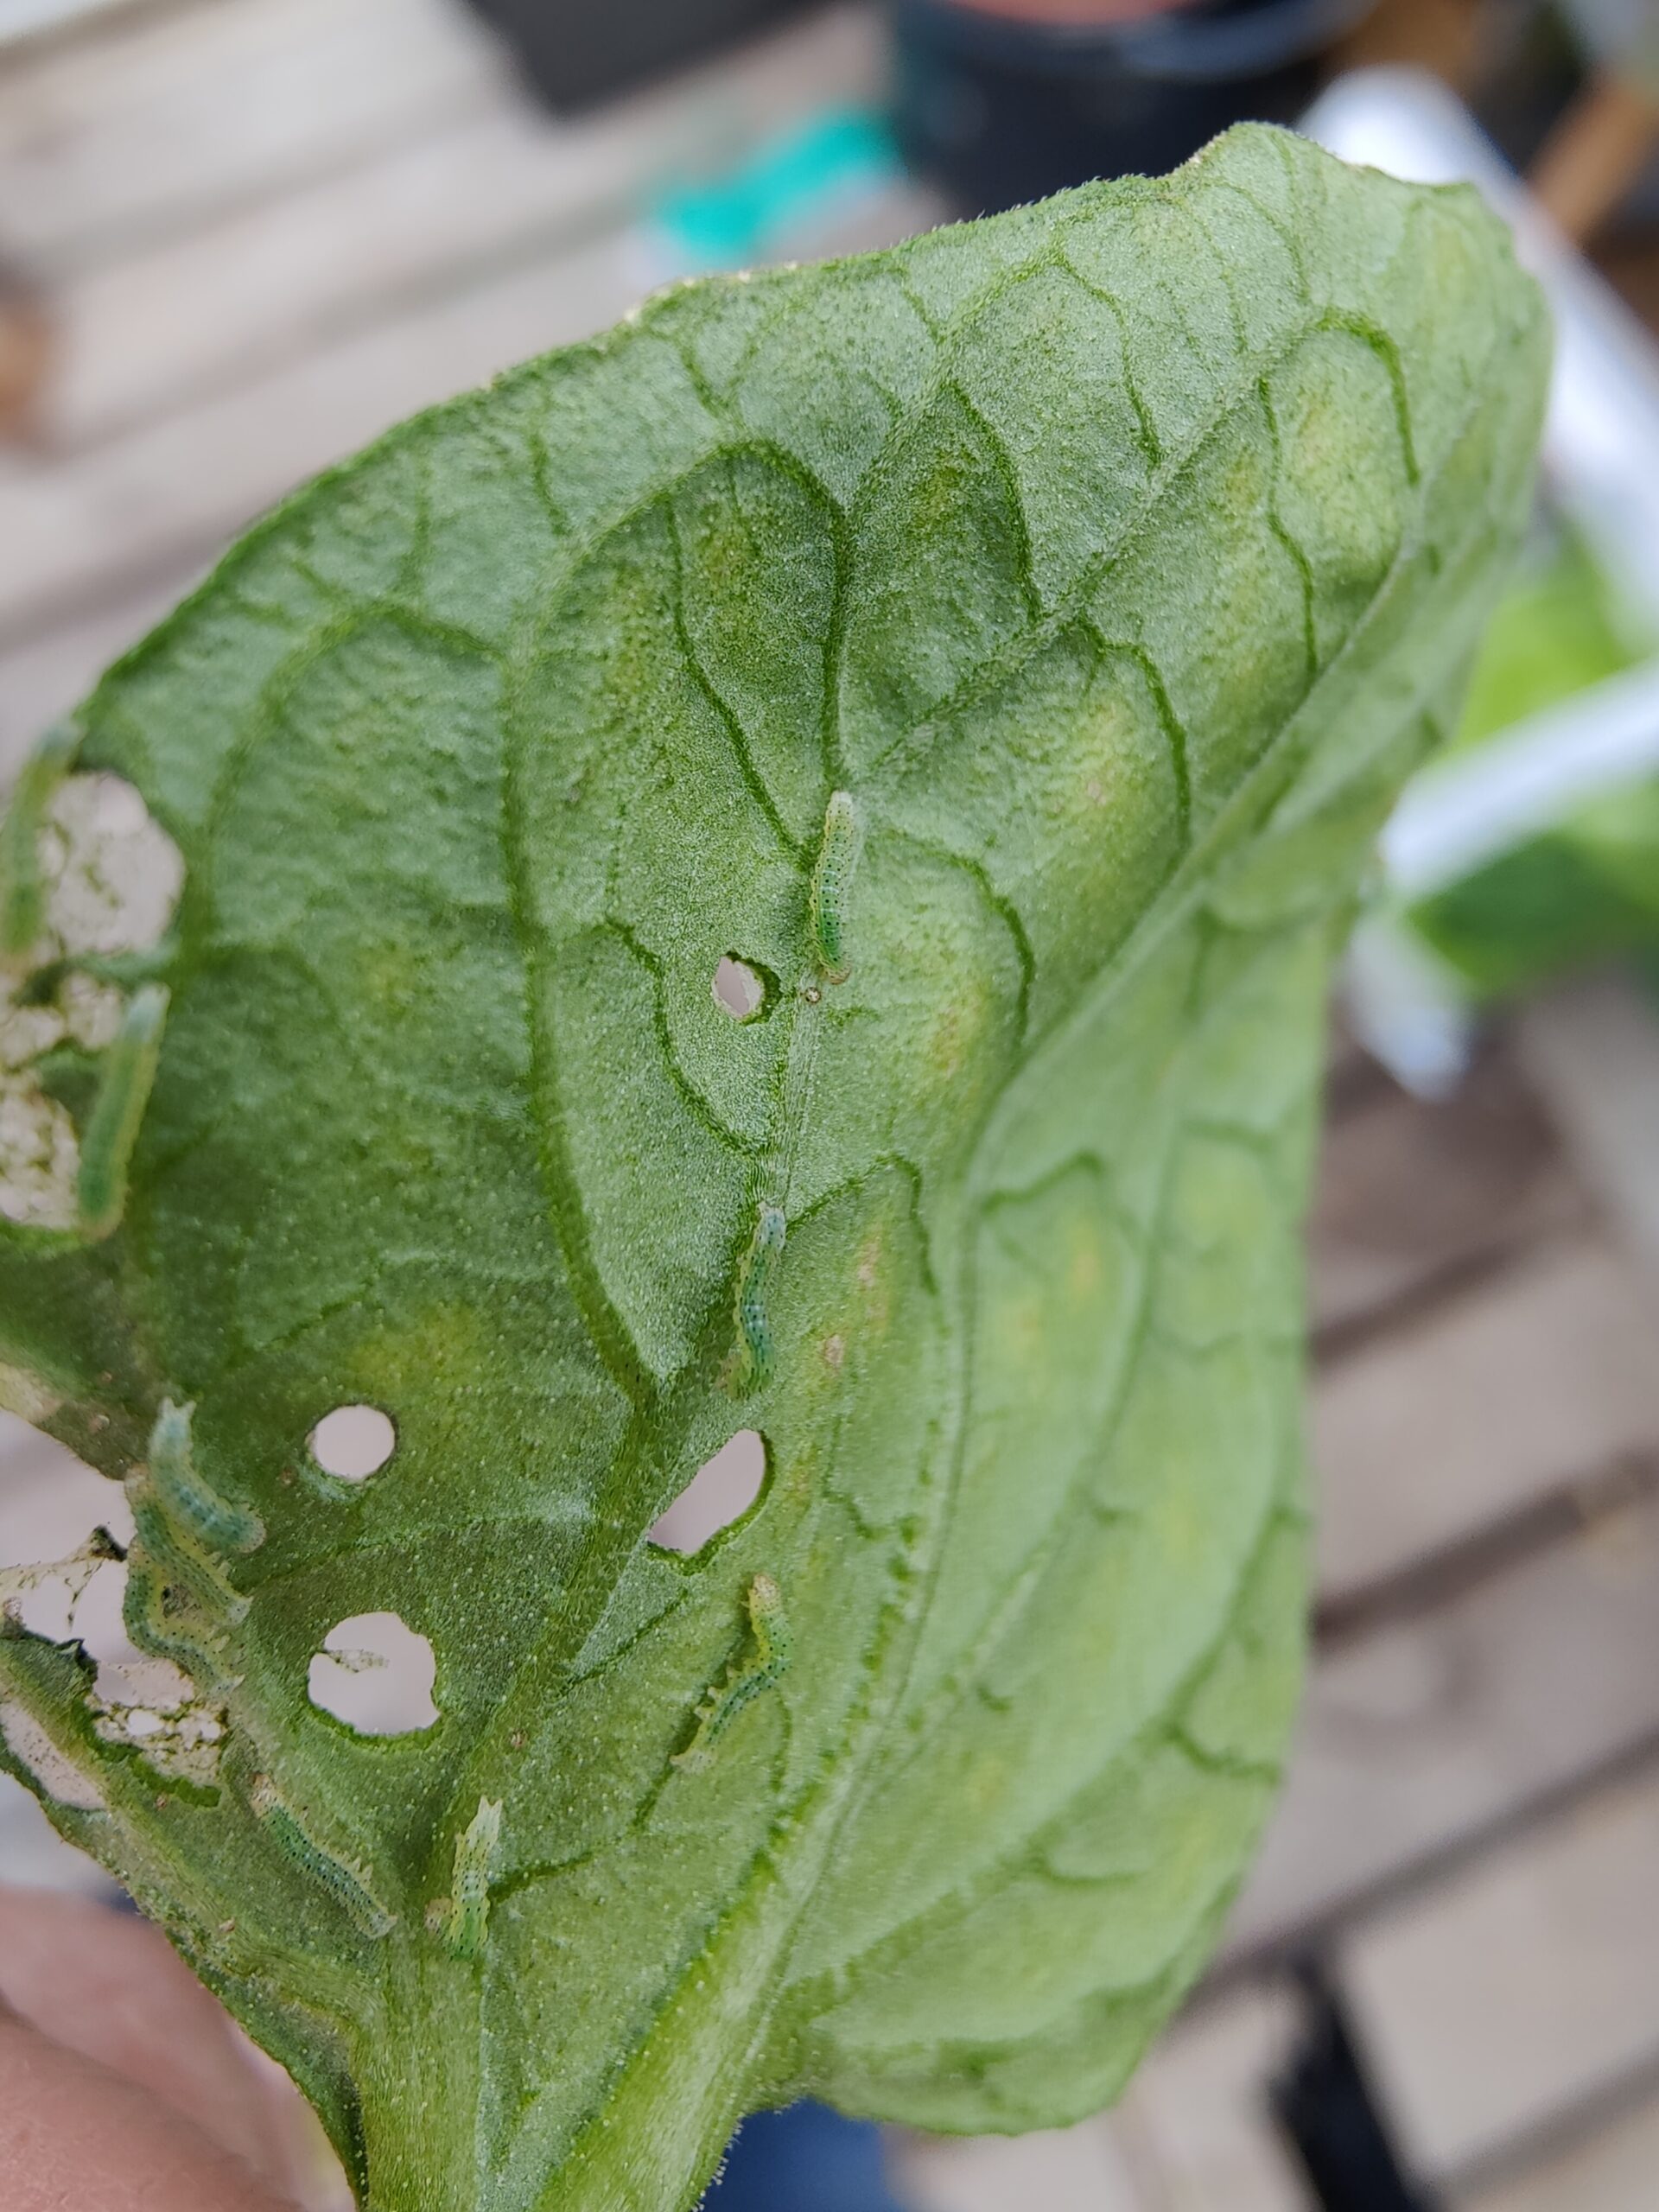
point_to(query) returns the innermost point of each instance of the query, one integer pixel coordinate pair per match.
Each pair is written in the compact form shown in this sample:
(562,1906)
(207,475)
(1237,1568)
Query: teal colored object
(791,179)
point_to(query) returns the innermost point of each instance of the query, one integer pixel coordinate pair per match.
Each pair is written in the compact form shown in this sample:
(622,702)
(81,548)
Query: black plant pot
(1003,109)
(576,53)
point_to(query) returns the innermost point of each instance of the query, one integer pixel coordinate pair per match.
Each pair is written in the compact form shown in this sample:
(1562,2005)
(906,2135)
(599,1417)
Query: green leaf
(1033,624)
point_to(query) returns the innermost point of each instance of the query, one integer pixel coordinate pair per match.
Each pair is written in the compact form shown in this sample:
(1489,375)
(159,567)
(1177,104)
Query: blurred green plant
(1587,884)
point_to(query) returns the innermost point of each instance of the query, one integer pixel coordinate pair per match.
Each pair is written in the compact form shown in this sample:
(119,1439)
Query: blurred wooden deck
(265,228)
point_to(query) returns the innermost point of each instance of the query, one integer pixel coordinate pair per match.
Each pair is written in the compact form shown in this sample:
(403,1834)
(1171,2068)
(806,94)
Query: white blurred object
(1406,1007)
(1601,467)
(1461,812)
(1069,2170)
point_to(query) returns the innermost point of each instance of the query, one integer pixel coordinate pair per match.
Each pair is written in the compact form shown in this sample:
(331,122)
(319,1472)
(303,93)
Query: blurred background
(239,237)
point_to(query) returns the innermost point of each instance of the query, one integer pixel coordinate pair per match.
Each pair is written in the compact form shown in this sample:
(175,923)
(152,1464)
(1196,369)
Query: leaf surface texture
(1088,579)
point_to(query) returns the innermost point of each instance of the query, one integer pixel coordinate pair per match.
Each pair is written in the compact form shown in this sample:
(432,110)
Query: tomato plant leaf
(1006,649)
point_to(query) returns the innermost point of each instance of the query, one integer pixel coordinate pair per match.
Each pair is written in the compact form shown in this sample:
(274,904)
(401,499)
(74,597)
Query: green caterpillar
(344,1881)
(113,1127)
(468,1918)
(751,1361)
(160,1624)
(22,893)
(179,1599)
(769,1631)
(832,878)
(184,1565)
(190,1503)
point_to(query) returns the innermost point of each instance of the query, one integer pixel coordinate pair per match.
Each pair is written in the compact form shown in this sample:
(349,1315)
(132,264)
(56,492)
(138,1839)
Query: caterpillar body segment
(343,1880)
(832,879)
(22,891)
(180,1601)
(750,1362)
(764,1666)
(158,1544)
(118,1112)
(193,1506)
(185,1562)
(467,1919)
(165,1617)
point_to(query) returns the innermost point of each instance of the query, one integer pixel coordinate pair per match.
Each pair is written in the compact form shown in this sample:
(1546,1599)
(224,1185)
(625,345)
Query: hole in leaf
(125,1674)
(39,1158)
(354,1442)
(113,874)
(376,1674)
(738,989)
(106,879)
(50,1504)
(58,1581)
(28,1743)
(721,1491)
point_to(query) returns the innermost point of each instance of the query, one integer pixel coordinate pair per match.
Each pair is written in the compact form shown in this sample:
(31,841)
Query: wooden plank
(1193,2133)
(1613,2168)
(1415,1197)
(167,496)
(1194,2127)
(1070,2170)
(29,18)
(166,121)
(160,328)
(1591,1051)
(48,666)
(1519,1989)
(1472,1413)
(1427,1738)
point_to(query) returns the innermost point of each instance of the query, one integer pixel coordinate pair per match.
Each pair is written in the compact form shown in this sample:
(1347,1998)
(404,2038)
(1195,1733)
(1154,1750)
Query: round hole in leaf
(721,1491)
(375,1674)
(739,989)
(354,1442)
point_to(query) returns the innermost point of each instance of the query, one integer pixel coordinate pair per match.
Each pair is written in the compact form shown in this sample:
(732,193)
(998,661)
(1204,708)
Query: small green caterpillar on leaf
(181,1562)
(163,1616)
(769,1631)
(750,1363)
(113,1127)
(469,1903)
(832,878)
(22,892)
(344,1881)
(178,1601)
(190,1503)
